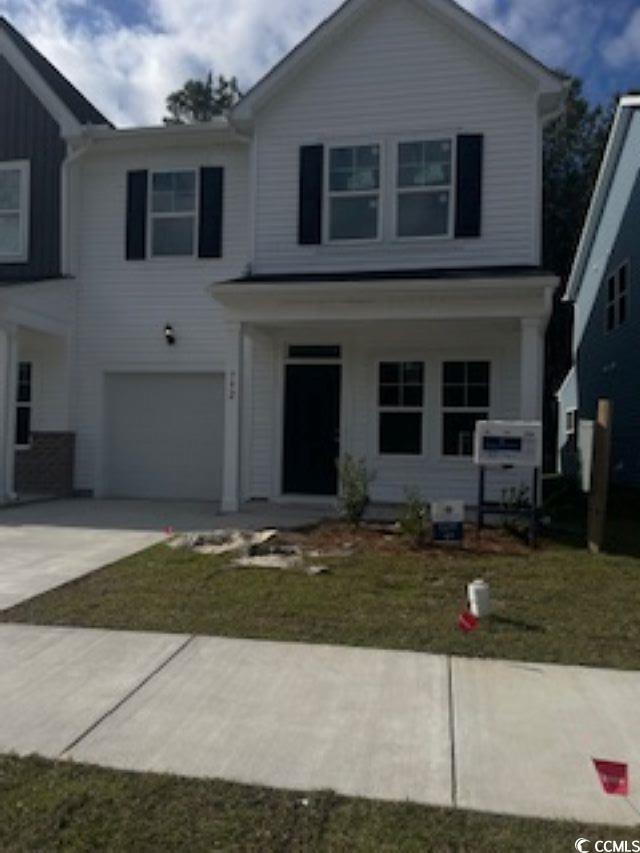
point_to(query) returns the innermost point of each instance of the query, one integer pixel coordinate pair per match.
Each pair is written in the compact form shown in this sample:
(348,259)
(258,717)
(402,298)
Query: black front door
(311,429)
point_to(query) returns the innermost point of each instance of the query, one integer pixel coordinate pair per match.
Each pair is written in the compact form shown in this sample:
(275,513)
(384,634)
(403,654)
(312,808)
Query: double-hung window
(24,398)
(354,192)
(617,298)
(400,407)
(173,213)
(14,211)
(424,188)
(466,396)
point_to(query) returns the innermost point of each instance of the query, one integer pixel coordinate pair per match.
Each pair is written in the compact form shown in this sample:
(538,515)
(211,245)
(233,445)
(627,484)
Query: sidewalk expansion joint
(452,734)
(138,687)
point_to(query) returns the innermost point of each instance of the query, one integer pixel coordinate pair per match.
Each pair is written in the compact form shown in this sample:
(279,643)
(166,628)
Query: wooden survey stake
(600,479)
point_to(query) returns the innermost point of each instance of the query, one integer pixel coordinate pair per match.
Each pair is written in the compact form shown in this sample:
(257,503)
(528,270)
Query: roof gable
(64,98)
(467,25)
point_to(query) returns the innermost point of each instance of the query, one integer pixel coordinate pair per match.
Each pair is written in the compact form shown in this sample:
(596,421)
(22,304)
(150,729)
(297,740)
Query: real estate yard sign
(447,518)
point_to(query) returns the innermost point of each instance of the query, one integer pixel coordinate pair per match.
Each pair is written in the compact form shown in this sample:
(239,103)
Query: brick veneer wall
(46,468)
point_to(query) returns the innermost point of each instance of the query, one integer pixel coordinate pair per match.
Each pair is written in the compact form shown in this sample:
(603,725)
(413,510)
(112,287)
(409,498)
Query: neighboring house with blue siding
(604,286)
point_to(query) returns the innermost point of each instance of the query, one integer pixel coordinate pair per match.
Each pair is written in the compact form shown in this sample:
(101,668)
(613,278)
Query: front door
(311,429)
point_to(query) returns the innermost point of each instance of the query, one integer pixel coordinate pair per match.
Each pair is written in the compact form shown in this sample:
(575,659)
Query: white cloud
(128,71)
(625,48)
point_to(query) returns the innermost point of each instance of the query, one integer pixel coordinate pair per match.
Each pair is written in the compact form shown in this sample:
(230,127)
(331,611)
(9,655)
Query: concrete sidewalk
(491,736)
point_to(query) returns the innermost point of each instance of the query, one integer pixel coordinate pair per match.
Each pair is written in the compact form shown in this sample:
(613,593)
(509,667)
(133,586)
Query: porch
(36,440)
(392,372)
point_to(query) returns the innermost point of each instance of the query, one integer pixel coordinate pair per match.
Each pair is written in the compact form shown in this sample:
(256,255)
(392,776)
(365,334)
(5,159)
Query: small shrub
(354,488)
(413,520)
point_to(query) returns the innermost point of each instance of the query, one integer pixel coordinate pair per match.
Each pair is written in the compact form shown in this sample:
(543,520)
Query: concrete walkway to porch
(484,735)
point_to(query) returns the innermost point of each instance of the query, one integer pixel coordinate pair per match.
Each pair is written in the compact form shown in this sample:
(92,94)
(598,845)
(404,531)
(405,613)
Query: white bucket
(479,596)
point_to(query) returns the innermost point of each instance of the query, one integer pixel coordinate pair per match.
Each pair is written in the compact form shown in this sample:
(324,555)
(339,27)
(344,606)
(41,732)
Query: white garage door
(164,435)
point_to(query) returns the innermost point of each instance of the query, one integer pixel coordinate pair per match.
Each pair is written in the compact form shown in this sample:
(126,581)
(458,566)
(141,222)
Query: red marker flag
(168,530)
(614,777)
(467,622)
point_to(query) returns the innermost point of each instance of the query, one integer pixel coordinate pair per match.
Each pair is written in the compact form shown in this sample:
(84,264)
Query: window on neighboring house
(173,213)
(617,298)
(400,407)
(23,404)
(571,421)
(465,400)
(354,192)
(14,211)
(425,175)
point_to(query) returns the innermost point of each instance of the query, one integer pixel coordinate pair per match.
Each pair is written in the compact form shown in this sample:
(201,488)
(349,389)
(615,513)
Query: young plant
(413,521)
(354,488)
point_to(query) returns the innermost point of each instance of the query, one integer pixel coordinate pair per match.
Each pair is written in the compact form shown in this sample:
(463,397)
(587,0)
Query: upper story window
(424,177)
(354,192)
(617,298)
(14,211)
(173,213)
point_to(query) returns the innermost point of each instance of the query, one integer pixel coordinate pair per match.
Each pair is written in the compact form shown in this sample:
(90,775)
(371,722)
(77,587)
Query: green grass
(54,806)
(558,604)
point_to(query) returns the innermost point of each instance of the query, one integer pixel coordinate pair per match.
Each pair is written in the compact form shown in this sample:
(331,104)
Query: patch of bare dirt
(333,538)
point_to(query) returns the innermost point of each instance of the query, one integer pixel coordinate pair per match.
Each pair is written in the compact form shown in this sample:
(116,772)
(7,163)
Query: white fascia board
(600,195)
(393,299)
(69,125)
(182,135)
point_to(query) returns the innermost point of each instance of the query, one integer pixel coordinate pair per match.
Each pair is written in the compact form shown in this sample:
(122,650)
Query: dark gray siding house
(605,286)
(40,112)
(31,140)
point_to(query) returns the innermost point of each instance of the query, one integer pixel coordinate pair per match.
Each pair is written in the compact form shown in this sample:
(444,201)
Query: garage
(164,435)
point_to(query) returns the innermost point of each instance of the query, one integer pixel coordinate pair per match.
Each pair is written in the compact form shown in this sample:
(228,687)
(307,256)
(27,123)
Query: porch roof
(504,292)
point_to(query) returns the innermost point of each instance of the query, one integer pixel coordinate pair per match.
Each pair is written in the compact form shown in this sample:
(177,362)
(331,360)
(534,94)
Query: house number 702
(232,385)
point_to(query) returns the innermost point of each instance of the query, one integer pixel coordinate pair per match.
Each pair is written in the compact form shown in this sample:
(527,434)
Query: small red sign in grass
(467,622)
(614,777)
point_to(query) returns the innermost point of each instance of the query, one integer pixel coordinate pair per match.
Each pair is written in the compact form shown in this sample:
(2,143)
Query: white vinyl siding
(400,74)
(123,308)
(363,349)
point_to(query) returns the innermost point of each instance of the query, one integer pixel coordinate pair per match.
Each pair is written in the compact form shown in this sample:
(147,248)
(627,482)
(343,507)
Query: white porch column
(531,368)
(8,370)
(231,479)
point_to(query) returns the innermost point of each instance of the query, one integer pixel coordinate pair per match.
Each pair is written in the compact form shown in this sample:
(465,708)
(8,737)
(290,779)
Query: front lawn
(46,806)
(556,604)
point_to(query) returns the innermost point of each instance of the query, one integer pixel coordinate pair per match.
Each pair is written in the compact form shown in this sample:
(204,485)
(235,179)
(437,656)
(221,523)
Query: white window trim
(571,417)
(152,216)
(19,404)
(450,188)
(462,458)
(24,167)
(615,303)
(422,410)
(328,194)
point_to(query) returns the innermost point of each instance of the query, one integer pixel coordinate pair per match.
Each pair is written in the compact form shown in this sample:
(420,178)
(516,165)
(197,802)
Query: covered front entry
(164,435)
(393,372)
(311,444)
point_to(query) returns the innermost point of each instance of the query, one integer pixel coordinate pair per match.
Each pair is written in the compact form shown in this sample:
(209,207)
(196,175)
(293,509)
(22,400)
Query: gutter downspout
(74,153)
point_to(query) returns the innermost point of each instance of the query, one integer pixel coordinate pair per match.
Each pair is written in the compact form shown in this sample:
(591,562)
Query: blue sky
(126,55)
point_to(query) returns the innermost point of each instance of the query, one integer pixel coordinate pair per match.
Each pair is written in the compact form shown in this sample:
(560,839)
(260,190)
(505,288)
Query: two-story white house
(348,263)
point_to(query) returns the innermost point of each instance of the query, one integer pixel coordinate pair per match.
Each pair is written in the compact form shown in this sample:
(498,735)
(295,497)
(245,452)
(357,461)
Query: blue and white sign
(447,518)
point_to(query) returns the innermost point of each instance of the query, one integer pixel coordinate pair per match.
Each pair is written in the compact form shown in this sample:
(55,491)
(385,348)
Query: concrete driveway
(48,544)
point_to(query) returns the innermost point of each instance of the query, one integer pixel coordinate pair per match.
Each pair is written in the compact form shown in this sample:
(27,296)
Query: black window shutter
(310,201)
(211,214)
(136,238)
(469,185)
